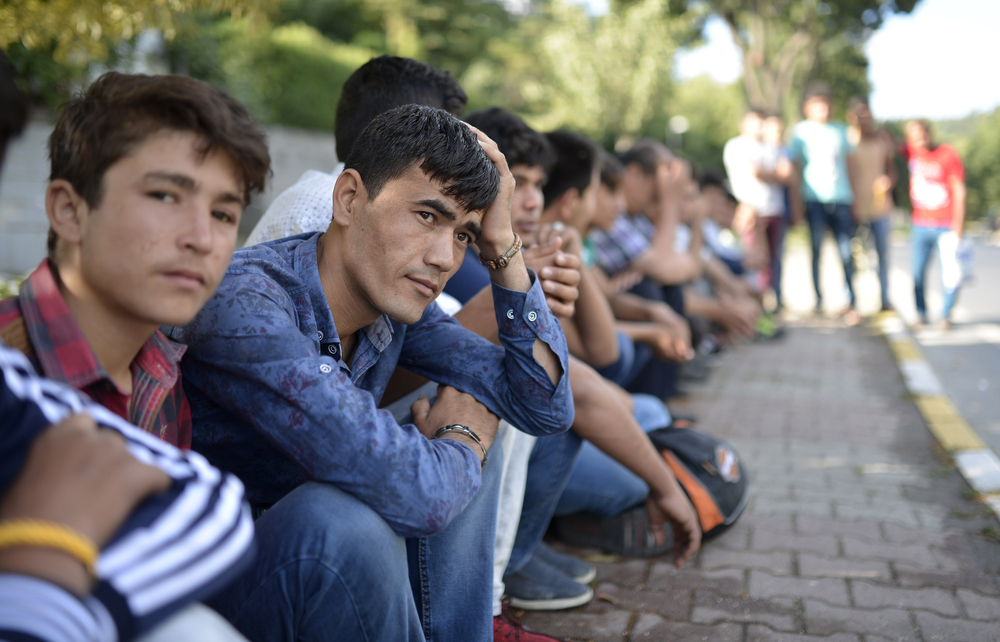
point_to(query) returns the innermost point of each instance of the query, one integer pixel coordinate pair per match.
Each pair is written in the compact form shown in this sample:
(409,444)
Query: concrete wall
(23,225)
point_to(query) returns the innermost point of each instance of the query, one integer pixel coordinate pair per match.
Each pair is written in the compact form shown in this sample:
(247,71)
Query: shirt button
(532,316)
(332,349)
(325,368)
(510,314)
(319,333)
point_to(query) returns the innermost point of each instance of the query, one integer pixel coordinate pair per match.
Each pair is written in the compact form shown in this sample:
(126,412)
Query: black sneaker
(627,534)
(541,587)
(577,569)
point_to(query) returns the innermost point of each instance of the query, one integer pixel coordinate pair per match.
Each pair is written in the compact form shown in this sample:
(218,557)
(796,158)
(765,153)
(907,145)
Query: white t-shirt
(306,206)
(740,156)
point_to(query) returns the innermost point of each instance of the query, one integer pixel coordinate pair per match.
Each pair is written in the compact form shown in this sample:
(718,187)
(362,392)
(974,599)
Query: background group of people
(422,359)
(841,177)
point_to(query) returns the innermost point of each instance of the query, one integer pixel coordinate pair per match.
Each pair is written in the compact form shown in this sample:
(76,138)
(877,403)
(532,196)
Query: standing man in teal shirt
(822,154)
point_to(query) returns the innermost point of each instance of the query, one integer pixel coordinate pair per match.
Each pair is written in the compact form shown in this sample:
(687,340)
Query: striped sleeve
(176,548)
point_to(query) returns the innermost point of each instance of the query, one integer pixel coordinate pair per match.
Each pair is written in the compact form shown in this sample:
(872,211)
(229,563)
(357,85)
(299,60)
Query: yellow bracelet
(33,532)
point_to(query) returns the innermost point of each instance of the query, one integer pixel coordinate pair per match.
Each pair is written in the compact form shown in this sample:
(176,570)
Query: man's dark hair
(119,111)
(438,143)
(611,170)
(576,158)
(13,107)
(709,179)
(857,101)
(520,144)
(647,154)
(387,82)
(817,89)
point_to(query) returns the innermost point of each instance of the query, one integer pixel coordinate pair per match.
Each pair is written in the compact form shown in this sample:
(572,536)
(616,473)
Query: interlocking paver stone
(856,531)
(824,619)
(815,566)
(652,628)
(776,613)
(868,595)
(831,590)
(980,607)
(941,629)
(758,633)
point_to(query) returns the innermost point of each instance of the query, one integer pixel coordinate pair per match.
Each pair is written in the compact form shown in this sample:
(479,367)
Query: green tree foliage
(980,150)
(290,75)
(713,111)
(606,76)
(84,30)
(782,41)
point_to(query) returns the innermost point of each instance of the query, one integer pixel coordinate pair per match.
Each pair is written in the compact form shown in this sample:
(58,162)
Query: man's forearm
(594,322)
(603,419)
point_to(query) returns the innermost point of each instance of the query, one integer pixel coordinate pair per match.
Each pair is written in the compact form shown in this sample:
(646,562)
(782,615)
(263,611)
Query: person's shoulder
(305,206)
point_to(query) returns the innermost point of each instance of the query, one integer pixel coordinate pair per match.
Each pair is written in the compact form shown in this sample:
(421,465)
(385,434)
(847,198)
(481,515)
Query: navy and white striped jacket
(176,548)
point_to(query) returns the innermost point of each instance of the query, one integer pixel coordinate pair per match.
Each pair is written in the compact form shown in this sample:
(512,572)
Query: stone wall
(23,225)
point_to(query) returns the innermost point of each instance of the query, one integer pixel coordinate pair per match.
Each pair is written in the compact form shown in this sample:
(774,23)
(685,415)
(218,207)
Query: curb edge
(978,464)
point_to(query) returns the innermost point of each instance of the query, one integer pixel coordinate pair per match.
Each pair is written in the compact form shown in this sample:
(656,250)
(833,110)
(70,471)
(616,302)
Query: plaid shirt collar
(64,353)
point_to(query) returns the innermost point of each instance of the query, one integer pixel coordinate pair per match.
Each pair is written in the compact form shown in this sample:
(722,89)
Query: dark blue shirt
(273,402)
(472,277)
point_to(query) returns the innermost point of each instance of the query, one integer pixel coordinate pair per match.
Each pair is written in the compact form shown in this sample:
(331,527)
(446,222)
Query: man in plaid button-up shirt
(149,177)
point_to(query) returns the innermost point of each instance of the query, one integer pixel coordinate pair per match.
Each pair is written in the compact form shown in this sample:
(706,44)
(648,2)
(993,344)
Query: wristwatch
(468,433)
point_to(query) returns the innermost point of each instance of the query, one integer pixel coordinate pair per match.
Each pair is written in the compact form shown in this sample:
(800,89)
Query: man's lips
(427,287)
(187,279)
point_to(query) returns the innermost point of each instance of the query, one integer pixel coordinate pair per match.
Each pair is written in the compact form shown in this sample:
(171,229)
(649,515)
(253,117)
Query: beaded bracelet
(503,260)
(33,532)
(468,433)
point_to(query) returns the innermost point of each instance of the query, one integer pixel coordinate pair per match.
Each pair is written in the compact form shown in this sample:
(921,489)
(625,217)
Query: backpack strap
(15,335)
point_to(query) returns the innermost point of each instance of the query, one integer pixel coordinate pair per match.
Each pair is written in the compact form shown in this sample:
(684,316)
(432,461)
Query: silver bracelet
(467,432)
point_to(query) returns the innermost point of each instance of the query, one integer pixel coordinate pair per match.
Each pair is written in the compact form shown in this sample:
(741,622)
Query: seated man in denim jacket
(287,363)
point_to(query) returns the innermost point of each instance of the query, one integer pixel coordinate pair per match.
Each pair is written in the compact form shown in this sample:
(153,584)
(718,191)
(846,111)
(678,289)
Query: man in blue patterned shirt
(287,363)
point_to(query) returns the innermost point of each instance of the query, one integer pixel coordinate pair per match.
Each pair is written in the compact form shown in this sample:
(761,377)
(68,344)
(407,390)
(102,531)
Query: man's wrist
(490,249)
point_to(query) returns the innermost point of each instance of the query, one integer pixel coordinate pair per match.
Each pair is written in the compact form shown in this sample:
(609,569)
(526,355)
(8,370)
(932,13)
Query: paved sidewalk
(860,529)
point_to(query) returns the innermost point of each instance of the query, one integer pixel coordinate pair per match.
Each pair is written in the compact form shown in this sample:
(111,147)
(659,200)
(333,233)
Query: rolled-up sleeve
(507,380)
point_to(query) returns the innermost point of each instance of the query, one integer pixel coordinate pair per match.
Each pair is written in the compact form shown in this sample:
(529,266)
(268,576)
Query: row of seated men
(418,361)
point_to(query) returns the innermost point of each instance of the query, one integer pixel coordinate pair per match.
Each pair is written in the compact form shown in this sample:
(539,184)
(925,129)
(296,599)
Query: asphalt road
(967,357)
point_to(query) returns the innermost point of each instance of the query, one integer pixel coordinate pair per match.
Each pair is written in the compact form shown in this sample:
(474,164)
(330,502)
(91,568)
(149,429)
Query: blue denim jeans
(549,467)
(880,230)
(598,483)
(836,216)
(923,241)
(329,569)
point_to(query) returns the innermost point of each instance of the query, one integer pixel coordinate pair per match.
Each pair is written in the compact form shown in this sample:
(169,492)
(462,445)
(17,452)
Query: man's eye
(464,238)
(225,217)
(426,216)
(166,197)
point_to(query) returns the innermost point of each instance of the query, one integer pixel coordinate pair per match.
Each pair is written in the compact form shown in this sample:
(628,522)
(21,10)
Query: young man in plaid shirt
(149,178)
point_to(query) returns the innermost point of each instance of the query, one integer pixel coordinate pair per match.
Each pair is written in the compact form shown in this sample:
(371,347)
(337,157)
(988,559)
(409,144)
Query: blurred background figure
(821,152)
(875,176)
(937,190)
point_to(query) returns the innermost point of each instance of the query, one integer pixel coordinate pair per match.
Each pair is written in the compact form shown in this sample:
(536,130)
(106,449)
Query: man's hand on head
(454,407)
(498,235)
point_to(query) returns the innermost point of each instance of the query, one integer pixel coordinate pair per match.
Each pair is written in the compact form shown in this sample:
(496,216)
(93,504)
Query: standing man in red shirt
(937,190)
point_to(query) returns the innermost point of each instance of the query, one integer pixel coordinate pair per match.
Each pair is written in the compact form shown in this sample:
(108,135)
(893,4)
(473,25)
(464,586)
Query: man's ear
(349,196)
(66,211)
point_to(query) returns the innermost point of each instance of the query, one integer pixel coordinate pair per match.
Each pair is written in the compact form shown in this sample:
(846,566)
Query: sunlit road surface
(965,358)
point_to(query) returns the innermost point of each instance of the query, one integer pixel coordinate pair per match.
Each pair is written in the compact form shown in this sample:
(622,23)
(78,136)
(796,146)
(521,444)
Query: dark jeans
(774,231)
(880,230)
(836,216)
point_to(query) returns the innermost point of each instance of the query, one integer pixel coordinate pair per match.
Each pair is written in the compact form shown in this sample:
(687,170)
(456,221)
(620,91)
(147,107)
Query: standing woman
(875,171)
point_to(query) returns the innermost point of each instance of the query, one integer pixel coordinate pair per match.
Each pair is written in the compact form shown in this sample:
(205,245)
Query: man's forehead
(416,186)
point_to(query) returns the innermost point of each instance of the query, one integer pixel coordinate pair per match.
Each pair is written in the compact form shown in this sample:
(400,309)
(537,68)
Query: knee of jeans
(331,531)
